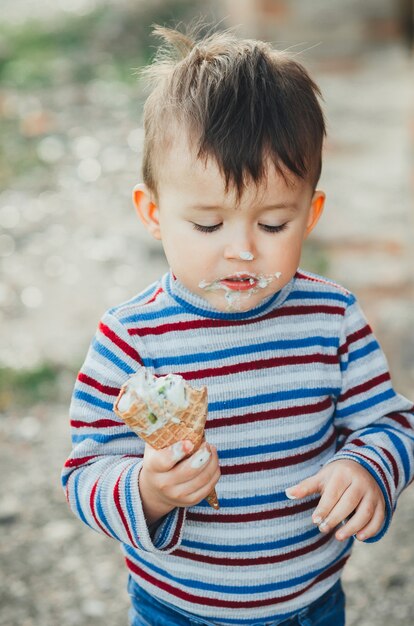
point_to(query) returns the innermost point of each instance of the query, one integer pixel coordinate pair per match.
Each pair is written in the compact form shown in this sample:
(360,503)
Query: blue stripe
(129,505)
(102,438)
(252,547)
(164,538)
(265,398)
(370,347)
(110,356)
(78,504)
(235,589)
(400,433)
(102,515)
(170,311)
(270,498)
(402,452)
(358,354)
(381,458)
(275,447)
(237,351)
(317,295)
(87,397)
(366,404)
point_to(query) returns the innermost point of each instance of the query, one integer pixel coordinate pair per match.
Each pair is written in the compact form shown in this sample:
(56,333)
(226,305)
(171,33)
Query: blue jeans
(328,610)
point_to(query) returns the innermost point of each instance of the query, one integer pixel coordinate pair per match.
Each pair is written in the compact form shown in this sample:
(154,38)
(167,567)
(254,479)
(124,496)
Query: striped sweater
(293,384)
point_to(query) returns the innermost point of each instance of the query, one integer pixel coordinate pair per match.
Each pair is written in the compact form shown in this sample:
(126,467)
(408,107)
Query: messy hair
(240,101)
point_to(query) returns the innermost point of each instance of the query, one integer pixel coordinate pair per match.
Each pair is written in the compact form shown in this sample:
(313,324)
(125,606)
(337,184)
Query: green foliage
(314,258)
(35,55)
(19,388)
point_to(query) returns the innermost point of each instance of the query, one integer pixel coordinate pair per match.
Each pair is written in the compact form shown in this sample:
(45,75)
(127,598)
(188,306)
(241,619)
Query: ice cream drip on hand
(235,297)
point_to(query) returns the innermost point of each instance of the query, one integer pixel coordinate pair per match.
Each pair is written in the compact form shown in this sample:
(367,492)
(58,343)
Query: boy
(308,445)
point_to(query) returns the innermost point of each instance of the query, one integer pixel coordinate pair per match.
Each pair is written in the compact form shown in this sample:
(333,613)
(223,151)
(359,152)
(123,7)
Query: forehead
(181,173)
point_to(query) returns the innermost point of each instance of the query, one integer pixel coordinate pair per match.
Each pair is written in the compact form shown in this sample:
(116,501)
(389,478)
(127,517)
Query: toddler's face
(233,255)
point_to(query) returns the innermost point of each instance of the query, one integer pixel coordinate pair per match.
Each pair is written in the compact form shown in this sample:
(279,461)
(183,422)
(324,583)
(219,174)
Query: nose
(241,246)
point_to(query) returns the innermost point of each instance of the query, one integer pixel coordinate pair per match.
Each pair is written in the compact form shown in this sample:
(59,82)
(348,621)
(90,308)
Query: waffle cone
(191,423)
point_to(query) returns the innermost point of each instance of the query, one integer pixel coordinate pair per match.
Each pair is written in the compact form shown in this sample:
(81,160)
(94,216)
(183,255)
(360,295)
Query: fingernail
(316,518)
(178,451)
(200,458)
(289,494)
(323,526)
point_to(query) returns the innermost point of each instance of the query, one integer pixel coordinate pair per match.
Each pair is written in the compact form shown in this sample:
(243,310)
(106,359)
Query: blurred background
(71,247)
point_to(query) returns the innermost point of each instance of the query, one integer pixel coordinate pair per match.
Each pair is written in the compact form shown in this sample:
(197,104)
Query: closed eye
(273,229)
(206,229)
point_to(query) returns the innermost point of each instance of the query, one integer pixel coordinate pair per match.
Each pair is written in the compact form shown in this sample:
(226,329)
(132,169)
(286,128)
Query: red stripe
(117,500)
(356,336)
(177,531)
(262,560)
(379,469)
(369,384)
(155,296)
(400,419)
(261,364)
(242,518)
(261,466)
(396,473)
(291,411)
(161,329)
(125,347)
(323,281)
(92,505)
(231,604)
(79,461)
(91,382)
(104,423)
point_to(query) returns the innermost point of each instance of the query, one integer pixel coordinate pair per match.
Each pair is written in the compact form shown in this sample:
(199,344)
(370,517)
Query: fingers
(196,482)
(336,503)
(305,488)
(164,460)
(365,522)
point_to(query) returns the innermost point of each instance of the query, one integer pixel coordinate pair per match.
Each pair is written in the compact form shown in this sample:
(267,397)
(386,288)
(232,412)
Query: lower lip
(238,285)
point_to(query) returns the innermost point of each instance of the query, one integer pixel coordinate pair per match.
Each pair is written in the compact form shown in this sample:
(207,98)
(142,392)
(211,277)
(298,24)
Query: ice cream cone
(161,422)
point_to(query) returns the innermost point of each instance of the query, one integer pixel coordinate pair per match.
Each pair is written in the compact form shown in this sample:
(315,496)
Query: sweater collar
(197,305)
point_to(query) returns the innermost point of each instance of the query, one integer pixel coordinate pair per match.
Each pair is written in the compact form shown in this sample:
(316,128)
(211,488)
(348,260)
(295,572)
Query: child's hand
(347,489)
(166,481)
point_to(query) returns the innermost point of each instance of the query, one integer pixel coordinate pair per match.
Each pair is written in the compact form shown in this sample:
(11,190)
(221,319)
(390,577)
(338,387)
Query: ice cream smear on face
(156,392)
(239,286)
(246,256)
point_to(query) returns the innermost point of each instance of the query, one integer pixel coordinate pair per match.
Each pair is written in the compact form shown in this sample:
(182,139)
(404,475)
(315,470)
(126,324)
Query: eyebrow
(280,205)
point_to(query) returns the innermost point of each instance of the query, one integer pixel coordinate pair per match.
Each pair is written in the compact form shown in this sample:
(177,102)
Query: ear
(147,210)
(315,211)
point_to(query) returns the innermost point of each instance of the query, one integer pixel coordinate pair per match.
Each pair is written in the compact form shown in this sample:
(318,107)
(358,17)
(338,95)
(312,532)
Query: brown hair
(240,101)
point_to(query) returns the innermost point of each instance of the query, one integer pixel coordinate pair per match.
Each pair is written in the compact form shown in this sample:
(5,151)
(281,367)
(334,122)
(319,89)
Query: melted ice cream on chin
(235,298)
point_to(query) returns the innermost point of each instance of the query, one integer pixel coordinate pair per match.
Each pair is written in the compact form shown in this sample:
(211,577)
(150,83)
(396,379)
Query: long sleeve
(374,423)
(101,475)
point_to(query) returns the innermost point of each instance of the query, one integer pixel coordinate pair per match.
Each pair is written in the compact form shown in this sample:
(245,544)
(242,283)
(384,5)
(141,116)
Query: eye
(273,229)
(206,229)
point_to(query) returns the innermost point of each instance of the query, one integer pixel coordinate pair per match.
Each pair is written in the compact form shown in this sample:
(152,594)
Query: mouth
(240,282)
